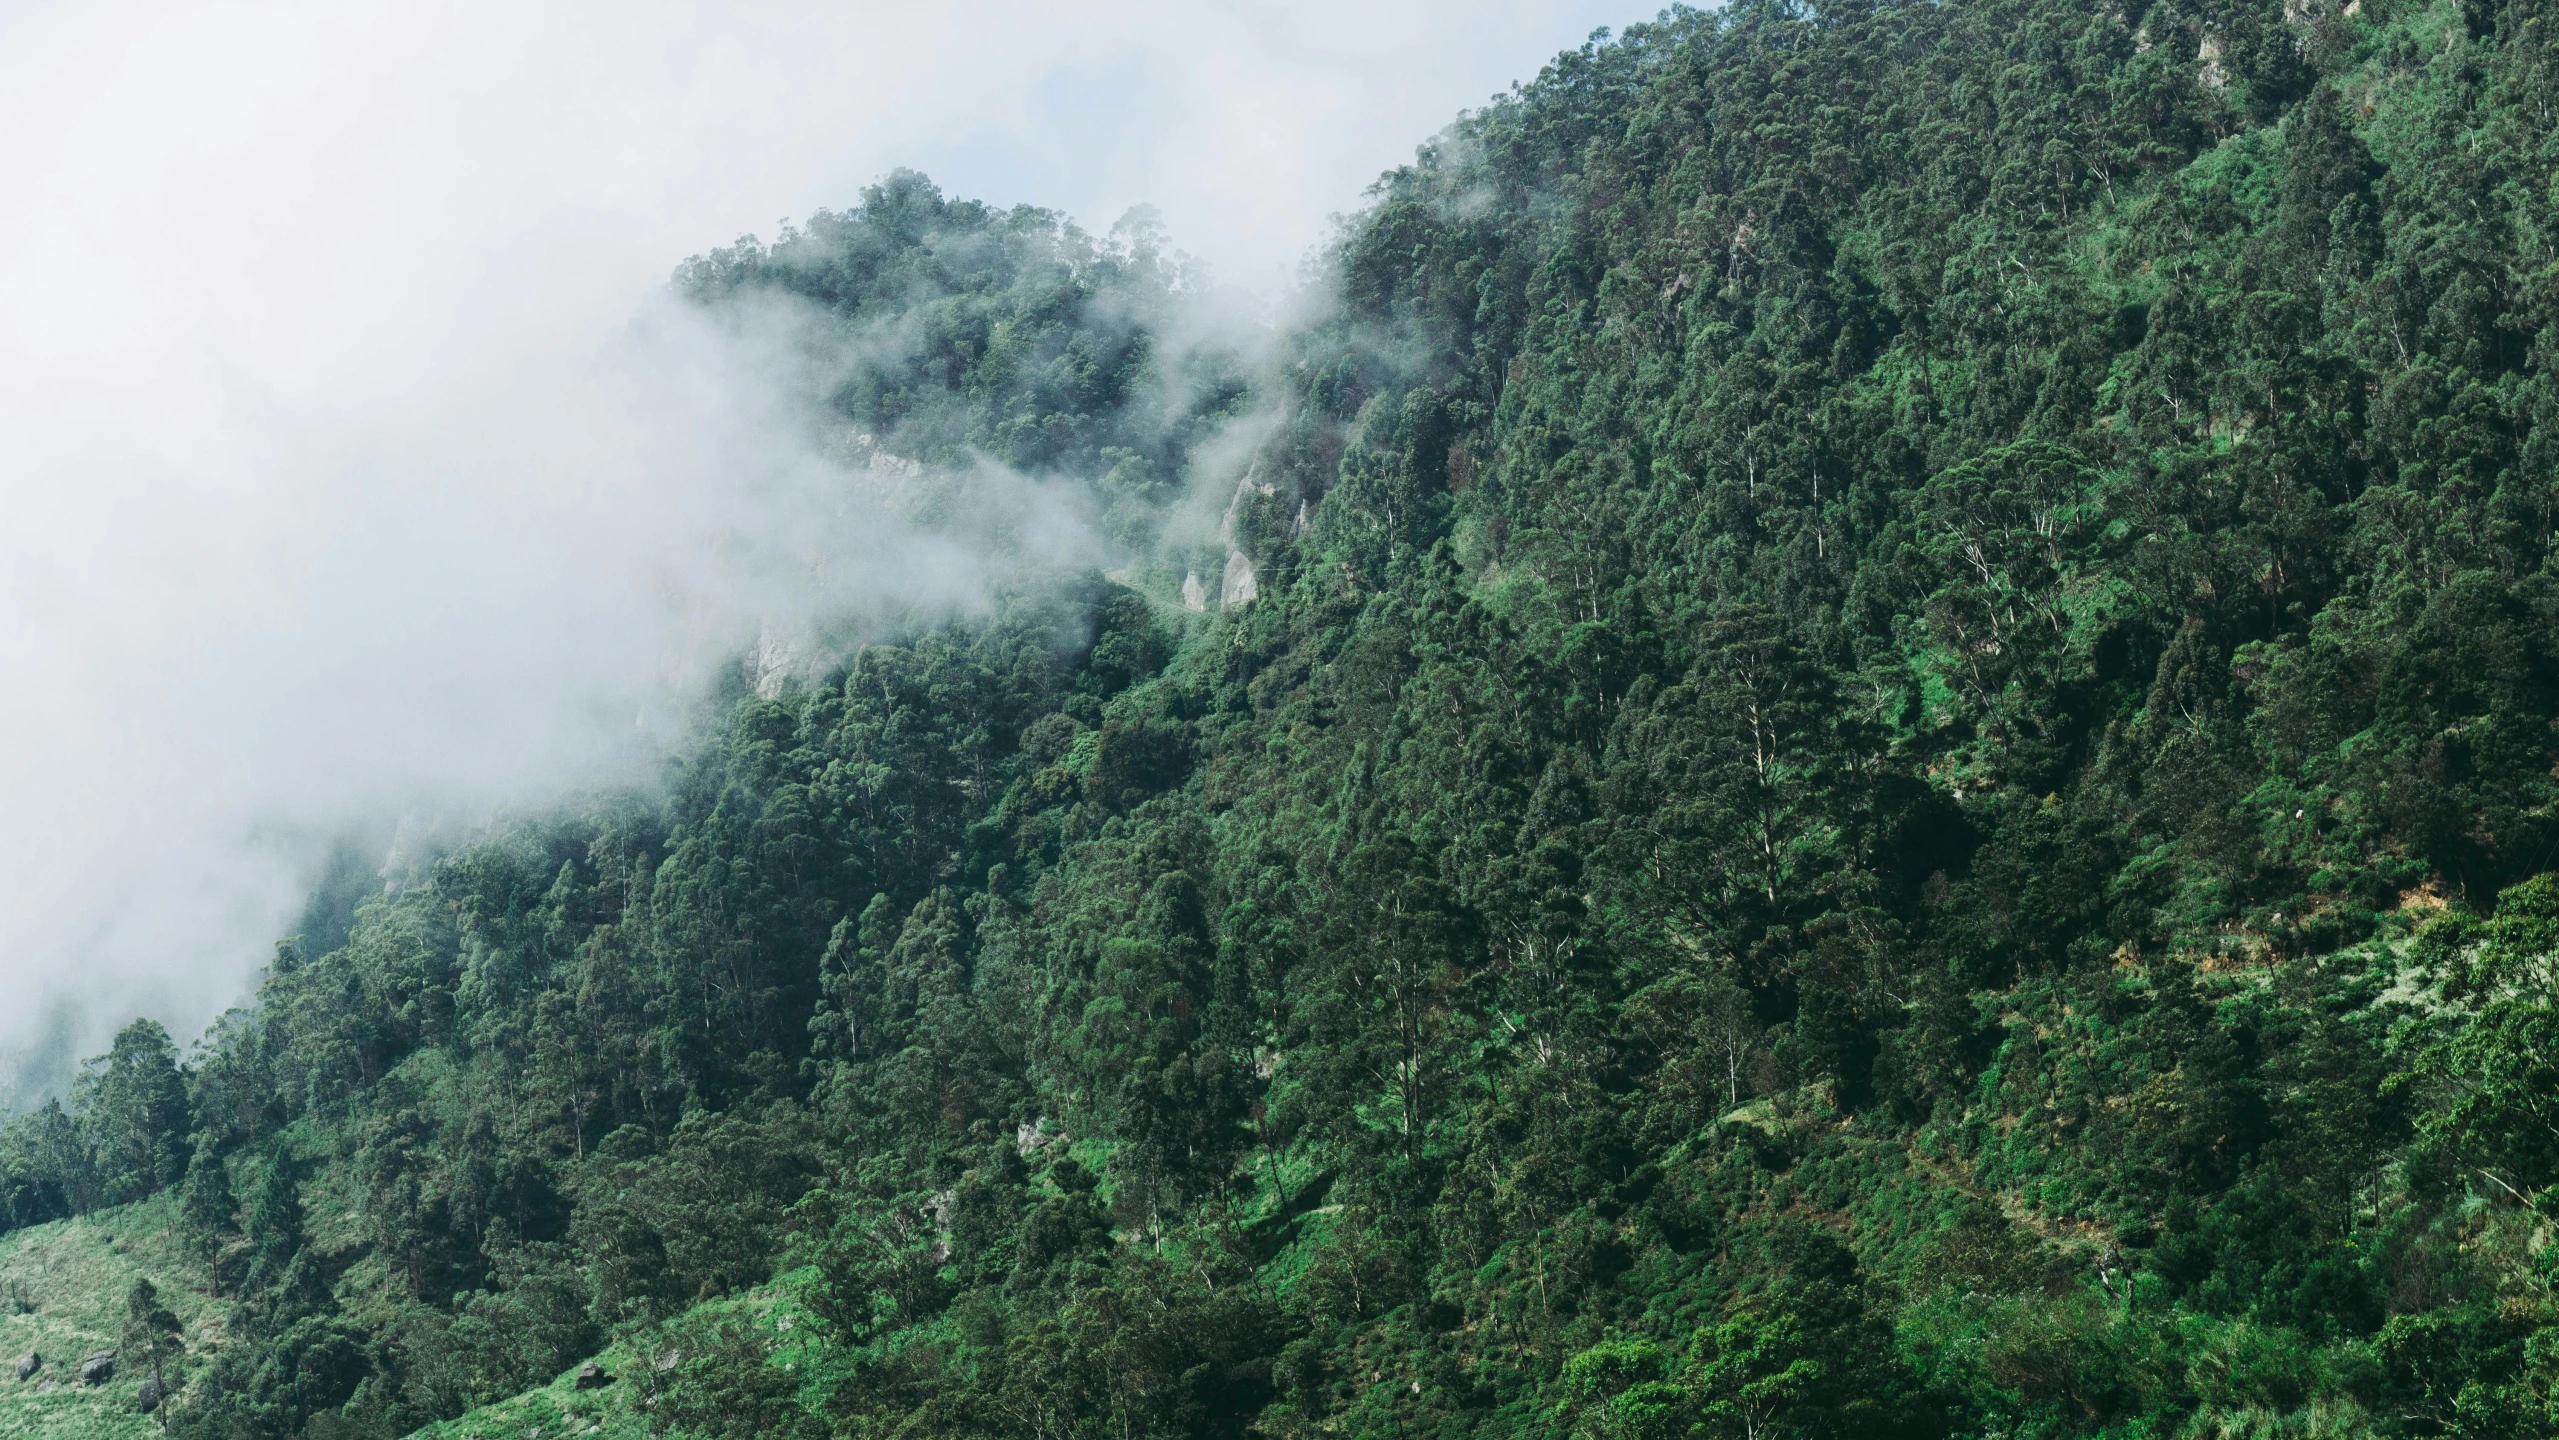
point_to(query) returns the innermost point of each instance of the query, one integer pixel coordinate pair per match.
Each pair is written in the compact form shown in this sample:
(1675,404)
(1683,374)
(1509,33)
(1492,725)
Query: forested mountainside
(1878,763)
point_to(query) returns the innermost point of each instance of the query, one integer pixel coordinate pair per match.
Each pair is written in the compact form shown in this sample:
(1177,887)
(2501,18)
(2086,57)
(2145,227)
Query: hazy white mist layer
(338,479)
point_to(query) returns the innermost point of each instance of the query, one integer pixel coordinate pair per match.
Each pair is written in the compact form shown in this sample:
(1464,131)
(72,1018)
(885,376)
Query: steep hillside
(1862,751)
(64,1293)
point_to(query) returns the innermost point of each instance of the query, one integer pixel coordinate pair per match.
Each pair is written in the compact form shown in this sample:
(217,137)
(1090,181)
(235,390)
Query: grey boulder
(591,1376)
(98,1368)
(29,1364)
(148,1397)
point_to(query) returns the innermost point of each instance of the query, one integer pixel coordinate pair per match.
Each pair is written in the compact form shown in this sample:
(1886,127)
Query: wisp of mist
(524,597)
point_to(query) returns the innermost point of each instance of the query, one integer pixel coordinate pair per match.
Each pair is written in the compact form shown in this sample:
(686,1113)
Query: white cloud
(314,502)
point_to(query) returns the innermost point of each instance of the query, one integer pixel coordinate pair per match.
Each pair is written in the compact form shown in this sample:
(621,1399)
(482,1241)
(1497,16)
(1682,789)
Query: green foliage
(154,1339)
(2491,1069)
(135,1108)
(725,1383)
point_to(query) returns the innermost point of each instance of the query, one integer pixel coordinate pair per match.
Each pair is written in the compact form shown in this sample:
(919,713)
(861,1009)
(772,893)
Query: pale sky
(311,508)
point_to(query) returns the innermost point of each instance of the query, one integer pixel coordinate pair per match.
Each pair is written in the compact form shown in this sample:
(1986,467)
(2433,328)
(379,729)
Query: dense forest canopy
(1884,766)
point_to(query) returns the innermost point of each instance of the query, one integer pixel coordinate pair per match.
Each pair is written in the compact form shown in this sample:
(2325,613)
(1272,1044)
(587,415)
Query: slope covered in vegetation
(65,1293)
(1883,776)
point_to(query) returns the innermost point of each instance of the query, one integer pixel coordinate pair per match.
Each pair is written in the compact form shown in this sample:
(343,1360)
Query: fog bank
(356,465)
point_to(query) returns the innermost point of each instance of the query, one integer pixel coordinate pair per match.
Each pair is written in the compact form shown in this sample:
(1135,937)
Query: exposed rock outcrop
(1241,584)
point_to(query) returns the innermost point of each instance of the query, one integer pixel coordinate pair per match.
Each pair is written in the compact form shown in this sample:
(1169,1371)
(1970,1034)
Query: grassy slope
(617,1411)
(62,1292)
(558,1408)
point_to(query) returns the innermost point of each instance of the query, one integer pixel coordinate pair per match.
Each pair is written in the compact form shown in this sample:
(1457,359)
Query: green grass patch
(62,1294)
